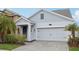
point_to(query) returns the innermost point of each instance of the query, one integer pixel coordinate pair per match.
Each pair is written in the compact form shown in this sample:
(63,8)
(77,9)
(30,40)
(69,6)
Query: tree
(7,26)
(73,28)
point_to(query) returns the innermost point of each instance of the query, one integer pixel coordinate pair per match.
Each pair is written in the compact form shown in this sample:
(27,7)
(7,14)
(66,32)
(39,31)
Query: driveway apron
(44,46)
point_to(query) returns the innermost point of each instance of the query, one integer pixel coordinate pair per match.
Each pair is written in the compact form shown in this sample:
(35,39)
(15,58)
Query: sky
(27,12)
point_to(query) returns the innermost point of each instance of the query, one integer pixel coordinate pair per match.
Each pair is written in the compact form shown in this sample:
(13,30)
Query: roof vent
(50,24)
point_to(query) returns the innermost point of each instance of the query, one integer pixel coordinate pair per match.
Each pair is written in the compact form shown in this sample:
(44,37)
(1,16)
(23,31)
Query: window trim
(42,16)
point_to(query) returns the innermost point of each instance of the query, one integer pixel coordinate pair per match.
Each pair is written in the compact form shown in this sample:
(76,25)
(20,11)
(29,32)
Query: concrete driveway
(43,46)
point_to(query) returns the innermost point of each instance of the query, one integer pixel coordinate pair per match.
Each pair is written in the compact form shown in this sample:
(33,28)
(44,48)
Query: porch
(24,28)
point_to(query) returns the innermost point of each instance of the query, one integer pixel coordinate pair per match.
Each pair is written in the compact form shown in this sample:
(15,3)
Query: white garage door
(54,34)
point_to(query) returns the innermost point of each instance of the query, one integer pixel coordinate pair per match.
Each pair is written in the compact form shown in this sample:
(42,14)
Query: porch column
(29,33)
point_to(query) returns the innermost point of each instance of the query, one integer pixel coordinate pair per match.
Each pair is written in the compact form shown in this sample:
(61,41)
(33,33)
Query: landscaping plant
(72,38)
(20,39)
(14,39)
(7,31)
(7,26)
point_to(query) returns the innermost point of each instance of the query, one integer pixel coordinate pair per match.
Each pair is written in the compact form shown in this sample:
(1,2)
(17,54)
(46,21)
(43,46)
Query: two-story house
(46,25)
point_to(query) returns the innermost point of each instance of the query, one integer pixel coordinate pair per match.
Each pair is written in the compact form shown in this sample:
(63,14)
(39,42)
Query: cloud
(76,16)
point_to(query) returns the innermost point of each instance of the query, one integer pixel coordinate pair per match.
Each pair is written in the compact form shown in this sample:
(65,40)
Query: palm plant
(73,28)
(7,26)
(72,39)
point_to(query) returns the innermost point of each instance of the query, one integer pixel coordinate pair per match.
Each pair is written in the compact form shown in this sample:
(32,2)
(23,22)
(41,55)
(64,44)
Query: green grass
(74,49)
(8,46)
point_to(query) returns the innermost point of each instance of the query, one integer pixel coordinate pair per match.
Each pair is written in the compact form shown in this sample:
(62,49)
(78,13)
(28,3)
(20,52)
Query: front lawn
(74,49)
(8,46)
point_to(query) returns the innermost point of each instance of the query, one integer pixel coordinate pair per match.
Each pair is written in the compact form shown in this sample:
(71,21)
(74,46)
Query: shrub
(20,39)
(73,42)
(11,38)
(77,40)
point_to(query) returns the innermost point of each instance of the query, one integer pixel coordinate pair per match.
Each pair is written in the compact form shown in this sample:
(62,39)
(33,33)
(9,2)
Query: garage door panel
(55,34)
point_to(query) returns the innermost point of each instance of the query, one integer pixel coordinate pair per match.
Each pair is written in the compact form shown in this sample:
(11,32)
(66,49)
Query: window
(42,16)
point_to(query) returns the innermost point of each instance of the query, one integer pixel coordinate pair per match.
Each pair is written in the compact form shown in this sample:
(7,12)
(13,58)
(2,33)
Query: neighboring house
(45,25)
(11,14)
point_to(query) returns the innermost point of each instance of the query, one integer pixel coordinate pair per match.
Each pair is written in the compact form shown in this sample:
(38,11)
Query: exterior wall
(49,19)
(55,20)
(8,13)
(15,18)
(53,24)
(33,32)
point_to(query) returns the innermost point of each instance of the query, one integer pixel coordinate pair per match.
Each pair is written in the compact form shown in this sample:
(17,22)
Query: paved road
(43,46)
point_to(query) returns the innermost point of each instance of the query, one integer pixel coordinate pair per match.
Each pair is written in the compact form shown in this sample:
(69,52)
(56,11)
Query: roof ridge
(11,11)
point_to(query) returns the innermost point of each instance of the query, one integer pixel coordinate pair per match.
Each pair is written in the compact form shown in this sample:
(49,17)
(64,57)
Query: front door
(24,30)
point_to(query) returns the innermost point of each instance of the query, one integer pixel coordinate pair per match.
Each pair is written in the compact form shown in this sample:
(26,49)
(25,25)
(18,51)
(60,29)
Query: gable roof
(12,13)
(24,19)
(65,12)
(53,13)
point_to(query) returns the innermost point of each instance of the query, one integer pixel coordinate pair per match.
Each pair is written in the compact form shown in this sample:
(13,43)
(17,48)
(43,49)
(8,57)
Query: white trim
(61,16)
(22,18)
(38,12)
(35,13)
(51,27)
(29,33)
(52,13)
(36,34)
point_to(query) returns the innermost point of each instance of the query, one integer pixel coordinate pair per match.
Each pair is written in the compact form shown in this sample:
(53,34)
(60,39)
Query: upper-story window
(42,16)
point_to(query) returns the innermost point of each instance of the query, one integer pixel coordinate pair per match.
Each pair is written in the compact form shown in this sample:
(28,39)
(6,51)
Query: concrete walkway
(43,46)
